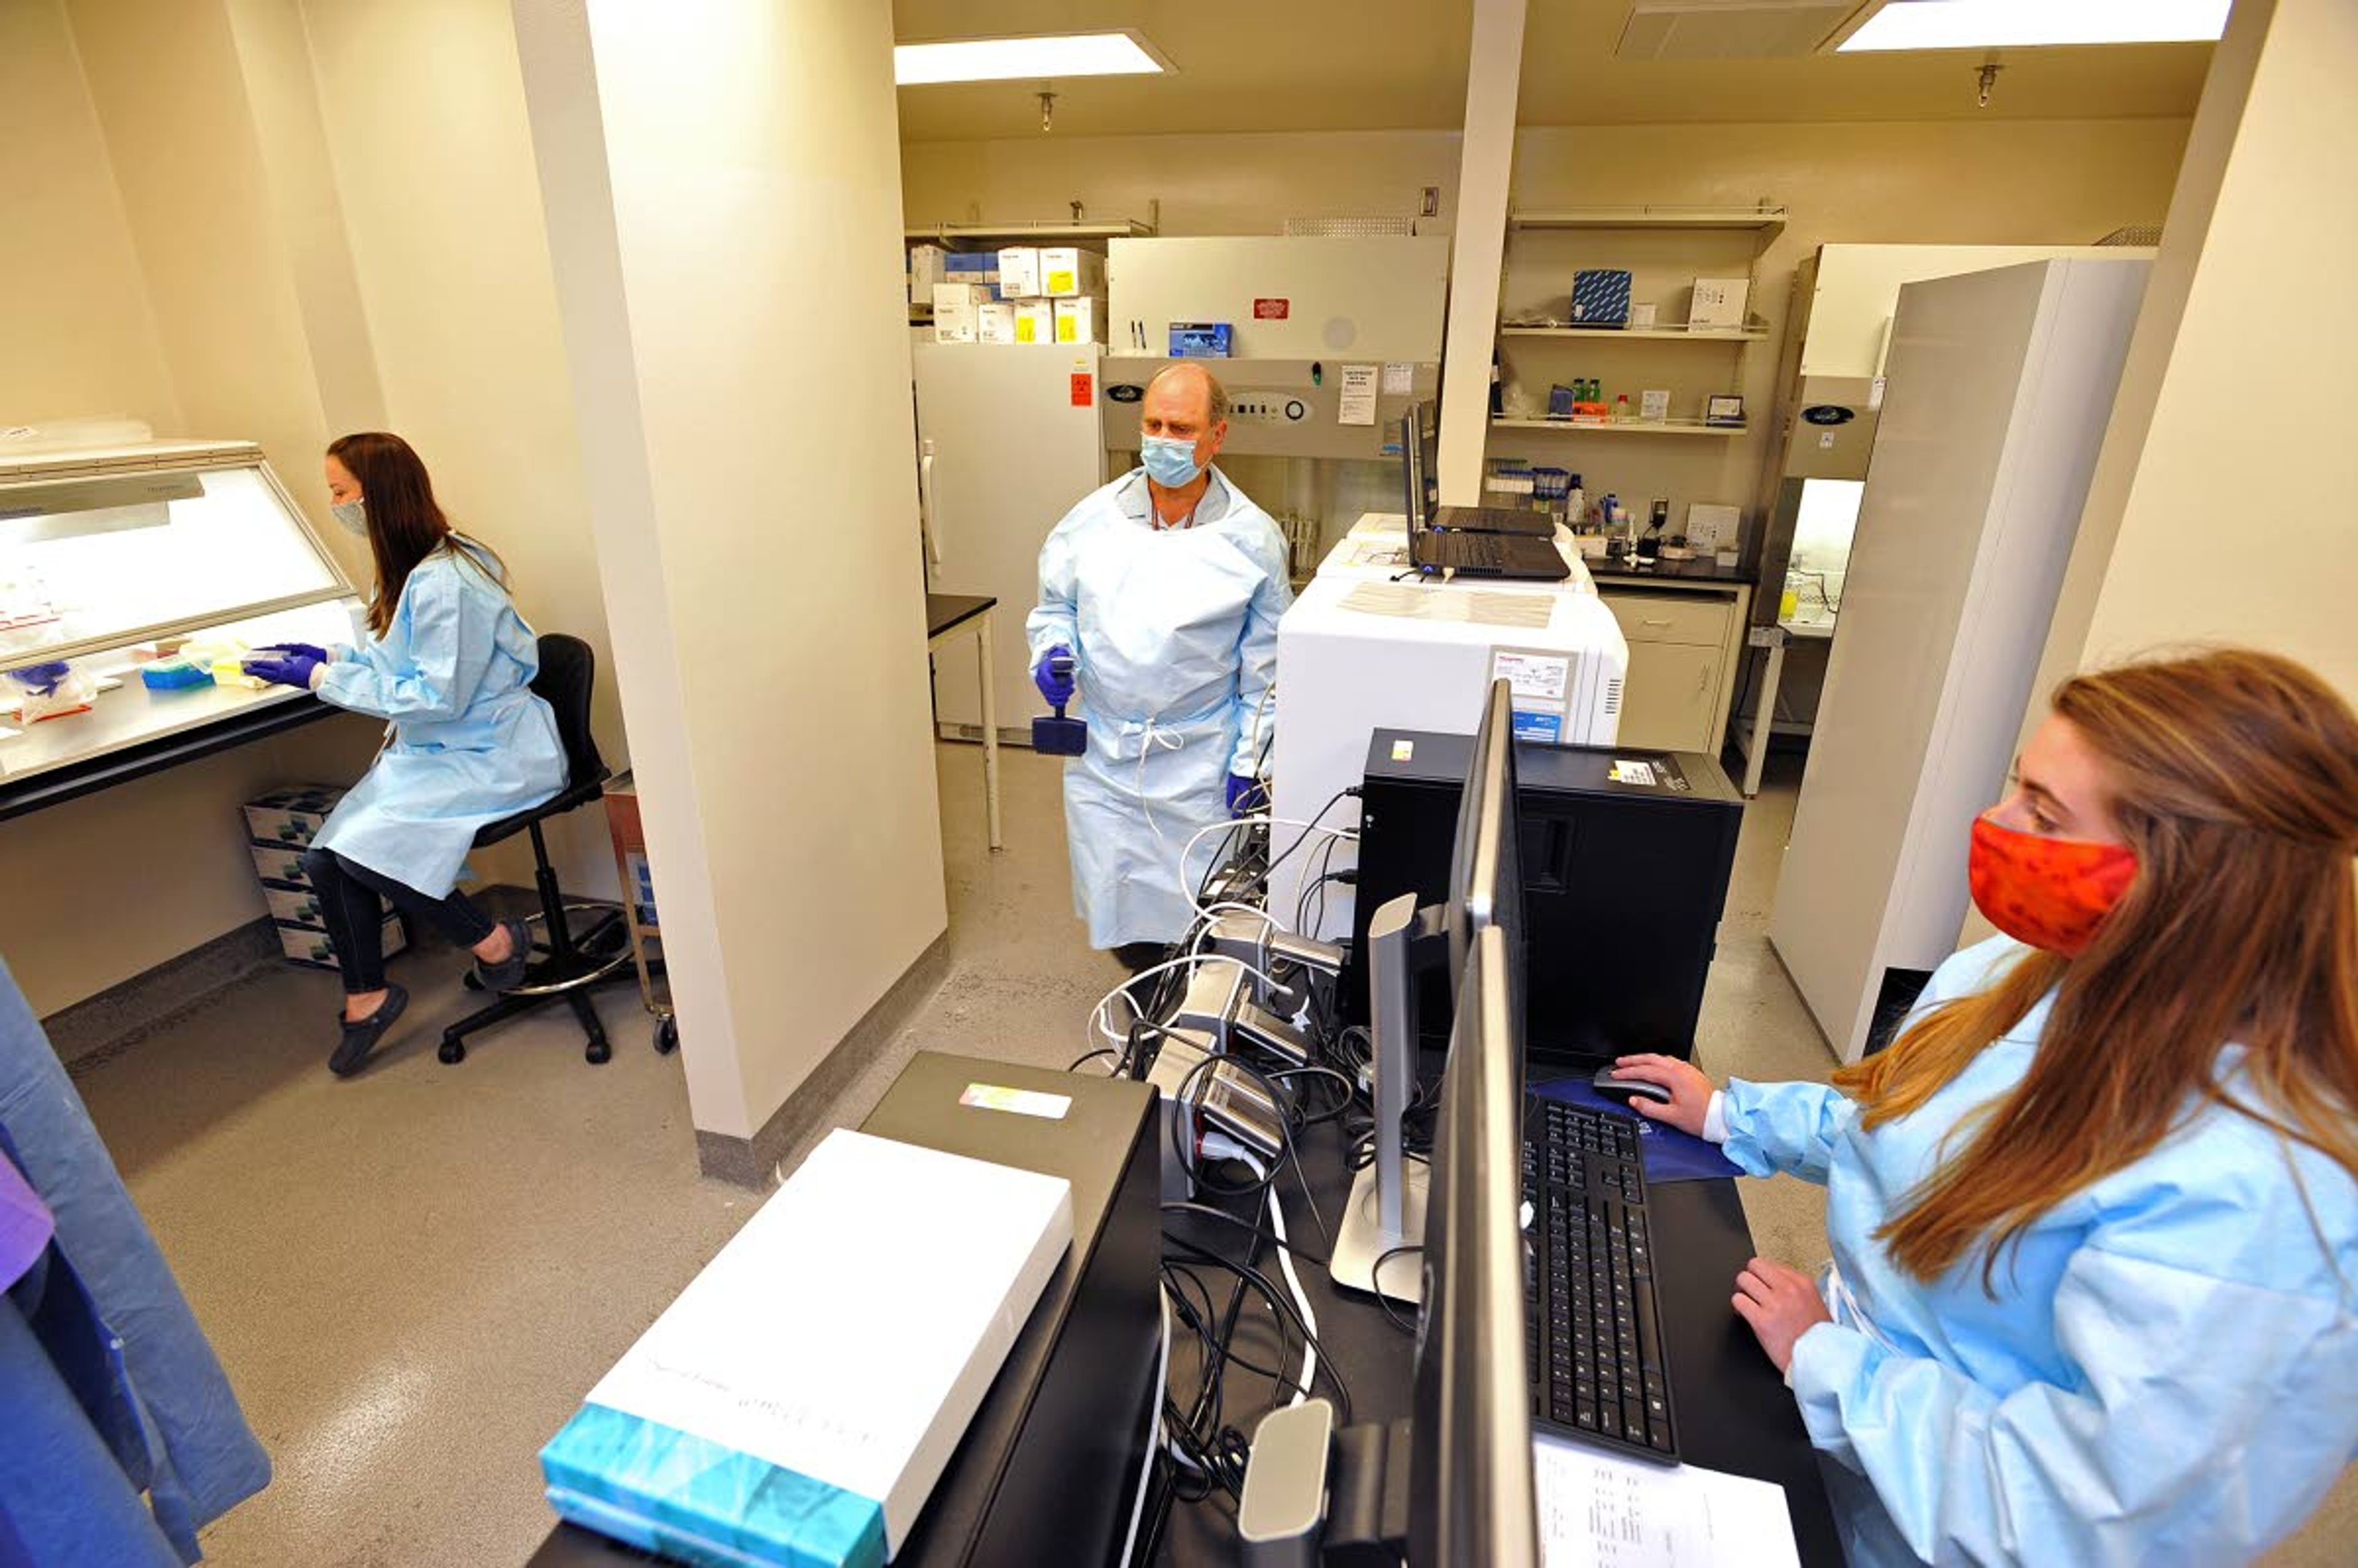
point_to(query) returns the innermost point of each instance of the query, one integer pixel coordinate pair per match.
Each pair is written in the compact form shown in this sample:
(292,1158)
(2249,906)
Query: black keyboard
(1594,1337)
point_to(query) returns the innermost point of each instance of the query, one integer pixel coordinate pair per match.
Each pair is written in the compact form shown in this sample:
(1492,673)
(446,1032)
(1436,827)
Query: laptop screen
(1419,462)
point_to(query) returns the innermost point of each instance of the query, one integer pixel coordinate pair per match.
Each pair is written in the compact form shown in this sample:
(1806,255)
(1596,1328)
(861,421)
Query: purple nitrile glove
(1055,684)
(296,669)
(1244,795)
(312,650)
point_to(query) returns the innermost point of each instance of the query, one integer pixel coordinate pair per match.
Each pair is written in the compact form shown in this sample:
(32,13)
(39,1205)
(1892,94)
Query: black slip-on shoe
(361,1037)
(508,973)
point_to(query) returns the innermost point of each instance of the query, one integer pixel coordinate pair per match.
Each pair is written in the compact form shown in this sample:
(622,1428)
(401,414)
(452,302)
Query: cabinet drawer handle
(1653,622)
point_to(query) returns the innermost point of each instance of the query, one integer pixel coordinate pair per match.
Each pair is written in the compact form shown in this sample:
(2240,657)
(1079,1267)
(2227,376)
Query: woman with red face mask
(2094,1214)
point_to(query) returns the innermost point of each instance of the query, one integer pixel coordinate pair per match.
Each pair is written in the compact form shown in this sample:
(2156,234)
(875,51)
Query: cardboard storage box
(956,306)
(995,322)
(293,905)
(1719,302)
(1066,273)
(925,269)
(279,863)
(1018,272)
(1036,321)
(291,816)
(302,945)
(1600,298)
(1081,320)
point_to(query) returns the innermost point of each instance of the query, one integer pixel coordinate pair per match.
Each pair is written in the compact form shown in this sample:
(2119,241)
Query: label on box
(1533,724)
(1627,771)
(1271,309)
(1540,676)
(1084,389)
(1023,1102)
(1403,750)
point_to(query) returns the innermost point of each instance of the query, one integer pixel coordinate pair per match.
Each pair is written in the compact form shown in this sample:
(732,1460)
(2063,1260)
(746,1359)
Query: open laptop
(1433,549)
(1468,519)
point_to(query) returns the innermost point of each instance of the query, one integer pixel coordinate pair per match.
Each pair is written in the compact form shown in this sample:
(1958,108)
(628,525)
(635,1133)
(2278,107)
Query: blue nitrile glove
(41,679)
(312,650)
(1244,795)
(295,669)
(1056,689)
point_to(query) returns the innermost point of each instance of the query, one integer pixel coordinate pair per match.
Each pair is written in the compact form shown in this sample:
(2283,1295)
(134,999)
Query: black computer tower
(1626,856)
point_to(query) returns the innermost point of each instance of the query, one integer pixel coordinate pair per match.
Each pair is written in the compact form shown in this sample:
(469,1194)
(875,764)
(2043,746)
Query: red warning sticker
(1271,309)
(1084,389)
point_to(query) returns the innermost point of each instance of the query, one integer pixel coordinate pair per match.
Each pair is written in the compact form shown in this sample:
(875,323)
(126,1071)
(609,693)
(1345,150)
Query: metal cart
(639,906)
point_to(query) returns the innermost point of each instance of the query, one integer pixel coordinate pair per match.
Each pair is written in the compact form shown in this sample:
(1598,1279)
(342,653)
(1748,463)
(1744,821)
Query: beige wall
(451,267)
(2222,502)
(757,522)
(73,308)
(2002,182)
(203,247)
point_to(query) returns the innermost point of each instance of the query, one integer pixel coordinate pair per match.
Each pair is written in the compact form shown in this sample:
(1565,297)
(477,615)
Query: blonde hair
(2234,776)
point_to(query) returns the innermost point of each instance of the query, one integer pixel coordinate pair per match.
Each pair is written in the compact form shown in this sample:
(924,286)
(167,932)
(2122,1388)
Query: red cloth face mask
(2050,893)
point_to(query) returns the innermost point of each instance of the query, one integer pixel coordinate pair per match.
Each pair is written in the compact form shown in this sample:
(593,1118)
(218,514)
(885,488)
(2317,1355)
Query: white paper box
(1066,273)
(956,306)
(1036,321)
(1081,320)
(1719,302)
(1018,272)
(995,322)
(925,271)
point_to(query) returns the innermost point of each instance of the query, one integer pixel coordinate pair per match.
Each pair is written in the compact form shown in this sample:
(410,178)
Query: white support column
(1477,249)
(753,492)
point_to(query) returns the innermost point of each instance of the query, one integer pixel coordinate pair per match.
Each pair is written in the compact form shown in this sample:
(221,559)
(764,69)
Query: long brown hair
(406,524)
(2234,776)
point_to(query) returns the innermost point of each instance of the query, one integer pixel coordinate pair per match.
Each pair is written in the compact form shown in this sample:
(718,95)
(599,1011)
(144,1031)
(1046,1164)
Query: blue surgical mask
(352,516)
(1169,460)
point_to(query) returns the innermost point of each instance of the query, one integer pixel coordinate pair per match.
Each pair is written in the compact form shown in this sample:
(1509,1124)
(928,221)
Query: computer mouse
(1613,1087)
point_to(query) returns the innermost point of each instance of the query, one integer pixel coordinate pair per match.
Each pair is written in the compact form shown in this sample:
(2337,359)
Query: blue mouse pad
(1670,1155)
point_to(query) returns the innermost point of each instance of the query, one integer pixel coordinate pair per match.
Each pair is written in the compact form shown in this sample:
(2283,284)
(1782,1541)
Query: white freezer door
(1010,443)
(2001,386)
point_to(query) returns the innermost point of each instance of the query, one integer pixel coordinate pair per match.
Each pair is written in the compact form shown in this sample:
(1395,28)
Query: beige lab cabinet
(1684,647)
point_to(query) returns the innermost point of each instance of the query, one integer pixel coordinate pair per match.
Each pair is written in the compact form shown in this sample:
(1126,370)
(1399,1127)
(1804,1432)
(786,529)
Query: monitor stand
(1386,1211)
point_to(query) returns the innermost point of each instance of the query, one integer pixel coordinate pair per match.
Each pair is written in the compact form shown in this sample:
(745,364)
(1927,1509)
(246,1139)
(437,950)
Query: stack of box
(278,828)
(1058,294)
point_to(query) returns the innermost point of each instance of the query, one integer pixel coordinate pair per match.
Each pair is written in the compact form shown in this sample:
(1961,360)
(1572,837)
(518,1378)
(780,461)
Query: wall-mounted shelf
(1044,232)
(1622,427)
(1756,219)
(1758,332)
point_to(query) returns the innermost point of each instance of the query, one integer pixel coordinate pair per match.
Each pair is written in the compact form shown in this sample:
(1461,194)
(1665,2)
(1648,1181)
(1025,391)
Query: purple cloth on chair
(25,1226)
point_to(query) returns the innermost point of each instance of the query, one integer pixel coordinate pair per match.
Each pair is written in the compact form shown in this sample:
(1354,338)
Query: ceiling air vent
(1730,29)
(2146,235)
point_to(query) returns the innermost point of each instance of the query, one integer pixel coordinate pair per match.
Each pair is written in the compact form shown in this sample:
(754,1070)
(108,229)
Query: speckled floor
(413,1276)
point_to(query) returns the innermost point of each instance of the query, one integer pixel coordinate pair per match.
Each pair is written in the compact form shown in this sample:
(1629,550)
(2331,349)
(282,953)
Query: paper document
(1417,602)
(1598,1511)
(1400,378)
(1359,400)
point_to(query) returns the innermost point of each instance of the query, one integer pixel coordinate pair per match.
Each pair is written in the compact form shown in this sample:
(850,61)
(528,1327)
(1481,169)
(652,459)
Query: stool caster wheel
(453,1052)
(598,1053)
(667,1036)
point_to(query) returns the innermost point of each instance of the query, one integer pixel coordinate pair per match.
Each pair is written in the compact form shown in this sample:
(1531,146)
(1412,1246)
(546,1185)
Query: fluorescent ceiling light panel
(2026,24)
(1045,58)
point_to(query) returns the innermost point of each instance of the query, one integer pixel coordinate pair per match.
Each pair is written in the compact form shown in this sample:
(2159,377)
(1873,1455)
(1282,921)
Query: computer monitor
(1470,1497)
(1485,884)
(1472,1502)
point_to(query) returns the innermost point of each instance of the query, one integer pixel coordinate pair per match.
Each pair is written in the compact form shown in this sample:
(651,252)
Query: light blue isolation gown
(471,742)
(1176,631)
(2167,1374)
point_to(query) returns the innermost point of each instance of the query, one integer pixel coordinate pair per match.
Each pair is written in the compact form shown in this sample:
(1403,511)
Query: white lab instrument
(2002,383)
(1360,652)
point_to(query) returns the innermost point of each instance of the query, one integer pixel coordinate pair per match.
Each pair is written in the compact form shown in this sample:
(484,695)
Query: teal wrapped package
(1200,339)
(688,1498)
(1600,296)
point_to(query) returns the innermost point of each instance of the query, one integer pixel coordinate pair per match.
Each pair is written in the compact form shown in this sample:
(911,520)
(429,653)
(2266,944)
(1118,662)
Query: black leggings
(348,902)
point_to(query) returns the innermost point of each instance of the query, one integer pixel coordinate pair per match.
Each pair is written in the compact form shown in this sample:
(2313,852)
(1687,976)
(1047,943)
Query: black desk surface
(1735,1412)
(1703,569)
(944,611)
